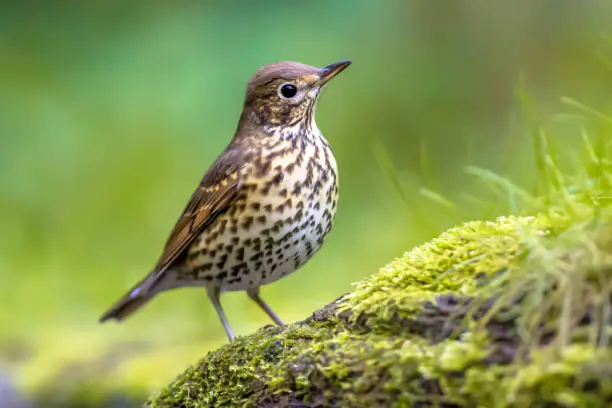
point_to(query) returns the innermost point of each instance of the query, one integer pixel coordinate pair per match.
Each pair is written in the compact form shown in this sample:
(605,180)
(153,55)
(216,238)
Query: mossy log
(511,313)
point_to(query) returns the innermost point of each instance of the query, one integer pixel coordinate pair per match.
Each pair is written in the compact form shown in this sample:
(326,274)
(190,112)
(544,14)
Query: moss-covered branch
(508,313)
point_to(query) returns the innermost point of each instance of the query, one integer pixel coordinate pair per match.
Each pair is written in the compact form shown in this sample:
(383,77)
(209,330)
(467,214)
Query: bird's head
(284,94)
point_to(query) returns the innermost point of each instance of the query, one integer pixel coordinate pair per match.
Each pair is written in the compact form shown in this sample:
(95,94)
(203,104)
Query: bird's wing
(218,189)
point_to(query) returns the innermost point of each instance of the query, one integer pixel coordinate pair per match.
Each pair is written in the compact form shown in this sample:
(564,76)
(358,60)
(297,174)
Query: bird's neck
(305,130)
(301,131)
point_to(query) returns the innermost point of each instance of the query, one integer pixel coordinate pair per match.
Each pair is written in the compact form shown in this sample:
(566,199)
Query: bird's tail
(132,301)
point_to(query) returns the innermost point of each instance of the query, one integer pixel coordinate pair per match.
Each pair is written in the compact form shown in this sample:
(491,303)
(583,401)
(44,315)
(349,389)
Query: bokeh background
(111,111)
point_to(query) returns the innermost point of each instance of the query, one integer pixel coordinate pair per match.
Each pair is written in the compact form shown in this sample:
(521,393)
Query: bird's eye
(288,91)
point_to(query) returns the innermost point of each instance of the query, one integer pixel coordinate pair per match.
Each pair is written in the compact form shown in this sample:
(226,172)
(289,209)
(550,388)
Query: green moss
(454,263)
(514,312)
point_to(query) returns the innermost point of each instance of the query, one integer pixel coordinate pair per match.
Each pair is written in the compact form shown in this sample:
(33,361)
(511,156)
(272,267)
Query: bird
(265,205)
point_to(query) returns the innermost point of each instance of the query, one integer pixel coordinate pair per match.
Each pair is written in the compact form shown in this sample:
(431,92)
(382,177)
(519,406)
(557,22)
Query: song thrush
(264,206)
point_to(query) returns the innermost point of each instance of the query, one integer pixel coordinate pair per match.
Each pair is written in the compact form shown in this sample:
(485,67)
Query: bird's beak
(328,72)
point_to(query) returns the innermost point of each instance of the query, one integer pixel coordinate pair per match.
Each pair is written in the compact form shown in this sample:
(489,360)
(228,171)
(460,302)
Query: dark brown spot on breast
(240,254)
(297,188)
(277,226)
(309,248)
(276,180)
(246,224)
(269,242)
(263,168)
(222,261)
(256,244)
(239,267)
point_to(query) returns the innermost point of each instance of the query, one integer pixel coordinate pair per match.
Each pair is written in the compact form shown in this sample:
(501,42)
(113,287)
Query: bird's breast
(287,203)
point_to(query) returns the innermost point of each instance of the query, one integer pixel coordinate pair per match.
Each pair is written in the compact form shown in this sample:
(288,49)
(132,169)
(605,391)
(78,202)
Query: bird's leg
(254,295)
(214,294)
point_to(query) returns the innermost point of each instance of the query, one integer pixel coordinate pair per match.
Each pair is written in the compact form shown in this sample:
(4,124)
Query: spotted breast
(279,221)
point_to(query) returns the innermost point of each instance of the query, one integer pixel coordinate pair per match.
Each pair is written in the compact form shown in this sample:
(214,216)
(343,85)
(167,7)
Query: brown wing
(217,190)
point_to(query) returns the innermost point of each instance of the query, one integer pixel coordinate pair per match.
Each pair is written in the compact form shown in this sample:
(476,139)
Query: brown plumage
(263,207)
(216,191)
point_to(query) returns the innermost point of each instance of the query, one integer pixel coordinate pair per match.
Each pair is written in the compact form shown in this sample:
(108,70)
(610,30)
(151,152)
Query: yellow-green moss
(514,312)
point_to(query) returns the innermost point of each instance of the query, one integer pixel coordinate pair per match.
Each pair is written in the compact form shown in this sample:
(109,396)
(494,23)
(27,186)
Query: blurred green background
(111,111)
